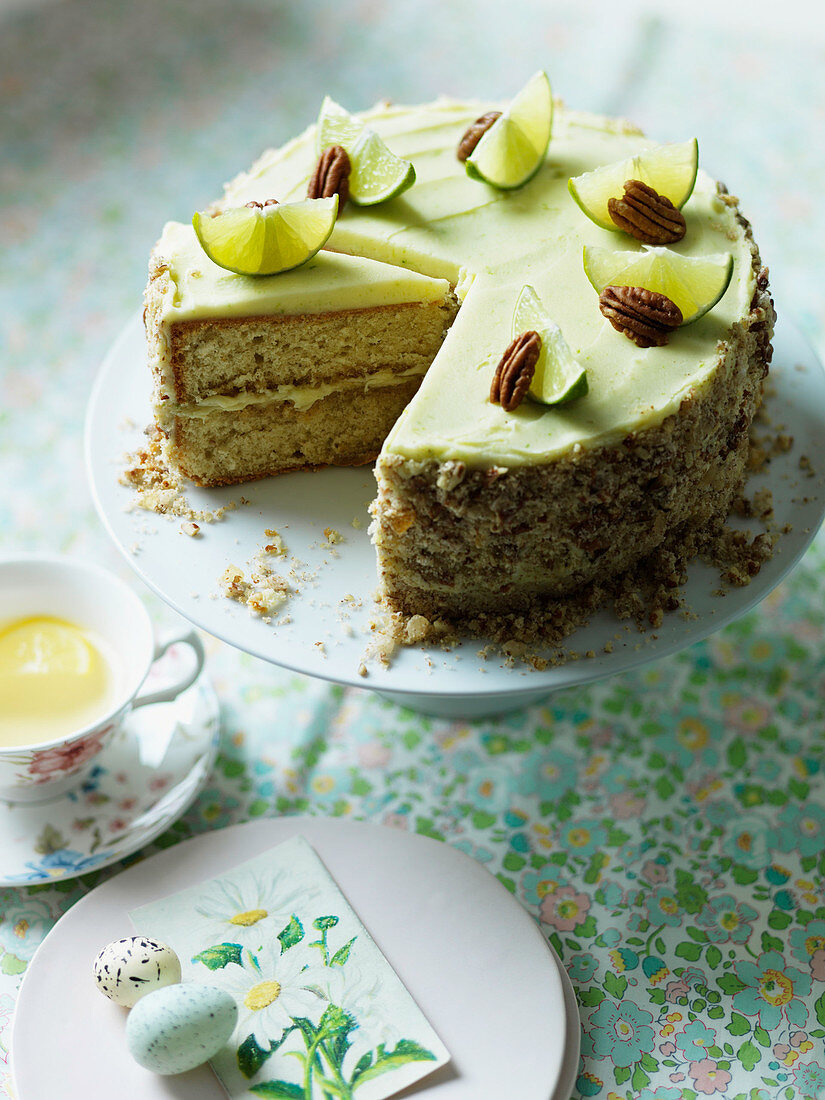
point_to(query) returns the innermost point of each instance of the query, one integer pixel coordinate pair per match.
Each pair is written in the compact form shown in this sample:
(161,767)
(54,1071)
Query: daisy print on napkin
(321,1013)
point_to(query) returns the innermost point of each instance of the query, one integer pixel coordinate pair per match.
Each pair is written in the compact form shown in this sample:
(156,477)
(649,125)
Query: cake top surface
(491,243)
(197,288)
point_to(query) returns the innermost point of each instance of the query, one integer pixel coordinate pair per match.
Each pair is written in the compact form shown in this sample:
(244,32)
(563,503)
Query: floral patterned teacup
(77,591)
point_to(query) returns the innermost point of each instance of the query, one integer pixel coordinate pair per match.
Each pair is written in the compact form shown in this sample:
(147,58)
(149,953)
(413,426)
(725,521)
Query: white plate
(572,1039)
(471,956)
(186,571)
(141,783)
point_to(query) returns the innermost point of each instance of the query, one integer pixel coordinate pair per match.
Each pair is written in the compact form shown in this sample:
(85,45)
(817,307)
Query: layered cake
(481,508)
(254,376)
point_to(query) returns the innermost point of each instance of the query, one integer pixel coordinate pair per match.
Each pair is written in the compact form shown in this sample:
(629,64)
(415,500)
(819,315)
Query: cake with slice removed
(480,509)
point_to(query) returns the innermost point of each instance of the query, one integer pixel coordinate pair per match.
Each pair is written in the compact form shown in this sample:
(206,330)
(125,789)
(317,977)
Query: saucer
(565,1085)
(140,783)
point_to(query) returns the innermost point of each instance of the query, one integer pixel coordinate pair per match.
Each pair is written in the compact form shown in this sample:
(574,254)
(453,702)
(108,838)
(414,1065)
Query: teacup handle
(167,694)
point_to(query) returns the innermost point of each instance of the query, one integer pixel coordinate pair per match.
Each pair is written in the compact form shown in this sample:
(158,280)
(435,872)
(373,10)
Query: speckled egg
(126,970)
(177,1028)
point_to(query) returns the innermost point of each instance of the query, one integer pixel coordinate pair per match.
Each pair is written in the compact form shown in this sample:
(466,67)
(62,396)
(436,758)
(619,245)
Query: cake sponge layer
(232,357)
(342,429)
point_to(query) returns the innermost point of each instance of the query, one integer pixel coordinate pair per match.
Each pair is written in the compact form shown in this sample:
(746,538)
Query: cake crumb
(276,546)
(416,629)
(262,593)
(763,504)
(765,447)
(159,488)
(191,529)
(806,465)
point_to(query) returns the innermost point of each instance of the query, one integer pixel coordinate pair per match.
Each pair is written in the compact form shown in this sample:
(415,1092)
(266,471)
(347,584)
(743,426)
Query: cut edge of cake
(237,398)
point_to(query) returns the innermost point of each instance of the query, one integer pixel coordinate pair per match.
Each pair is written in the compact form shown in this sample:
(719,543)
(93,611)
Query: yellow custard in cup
(76,650)
(55,678)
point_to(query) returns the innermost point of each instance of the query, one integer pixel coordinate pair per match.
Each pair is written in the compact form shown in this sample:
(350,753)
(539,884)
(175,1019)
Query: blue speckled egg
(182,1026)
(128,969)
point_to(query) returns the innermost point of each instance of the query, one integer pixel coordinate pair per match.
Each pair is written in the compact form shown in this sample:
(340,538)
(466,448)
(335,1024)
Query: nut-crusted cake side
(455,542)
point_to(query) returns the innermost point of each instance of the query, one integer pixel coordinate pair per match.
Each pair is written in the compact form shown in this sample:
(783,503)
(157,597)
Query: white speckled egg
(126,970)
(177,1028)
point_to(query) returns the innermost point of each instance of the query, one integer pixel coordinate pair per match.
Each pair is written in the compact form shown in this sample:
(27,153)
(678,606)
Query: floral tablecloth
(666,827)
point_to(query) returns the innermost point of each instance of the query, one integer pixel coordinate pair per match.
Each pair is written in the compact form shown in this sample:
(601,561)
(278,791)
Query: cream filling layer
(301,397)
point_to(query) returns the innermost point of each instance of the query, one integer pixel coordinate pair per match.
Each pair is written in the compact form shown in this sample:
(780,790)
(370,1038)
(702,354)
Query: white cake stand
(328,633)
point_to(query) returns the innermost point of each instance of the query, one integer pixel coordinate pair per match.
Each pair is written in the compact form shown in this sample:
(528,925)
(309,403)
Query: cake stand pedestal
(459,707)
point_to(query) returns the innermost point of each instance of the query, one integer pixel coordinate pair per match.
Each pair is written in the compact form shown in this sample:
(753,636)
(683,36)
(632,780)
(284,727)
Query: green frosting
(489,244)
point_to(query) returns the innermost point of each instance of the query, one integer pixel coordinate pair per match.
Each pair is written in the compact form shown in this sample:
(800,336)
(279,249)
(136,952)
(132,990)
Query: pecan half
(331,176)
(647,215)
(473,134)
(515,370)
(644,316)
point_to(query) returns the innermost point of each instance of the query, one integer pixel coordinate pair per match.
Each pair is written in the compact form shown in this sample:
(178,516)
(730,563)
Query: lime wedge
(336,126)
(512,150)
(694,283)
(377,173)
(265,240)
(558,377)
(668,169)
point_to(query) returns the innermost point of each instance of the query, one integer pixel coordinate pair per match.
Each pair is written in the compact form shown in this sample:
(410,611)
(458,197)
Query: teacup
(78,592)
